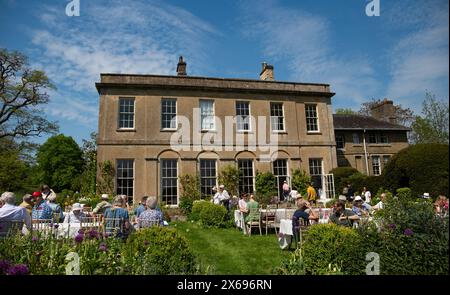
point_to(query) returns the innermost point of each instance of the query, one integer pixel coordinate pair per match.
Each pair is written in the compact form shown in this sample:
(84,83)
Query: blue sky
(400,54)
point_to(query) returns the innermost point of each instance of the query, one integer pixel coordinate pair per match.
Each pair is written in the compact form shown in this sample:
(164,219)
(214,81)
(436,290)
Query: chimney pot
(181,67)
(266,72)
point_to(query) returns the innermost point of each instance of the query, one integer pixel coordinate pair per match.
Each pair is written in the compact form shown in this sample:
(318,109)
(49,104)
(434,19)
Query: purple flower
(81,231)
(103,247)
(56,225)
(35,239)
(146,243)
(4,266)
(79,238)
(93,234)
(392,226)
(408,232)
(18,269)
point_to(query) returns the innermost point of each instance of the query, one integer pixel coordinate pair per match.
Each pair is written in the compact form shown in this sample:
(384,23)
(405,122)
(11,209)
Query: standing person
(366,195)
(56,208)
(286,191)
(41,210)
(222,197)
(311,193)
(27,203)
(46,191)
(101,207)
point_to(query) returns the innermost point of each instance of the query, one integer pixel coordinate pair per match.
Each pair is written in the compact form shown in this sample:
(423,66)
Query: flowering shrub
(150,251)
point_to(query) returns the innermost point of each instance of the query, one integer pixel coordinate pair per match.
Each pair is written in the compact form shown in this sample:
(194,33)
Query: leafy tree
(106,175)
(14,171)
(60,163)
(88,177)
(432,127)
(300,181)
(405,116)
(421,167)
(22,92)
(190,191)
(345,111)
(266,186)
(229,177)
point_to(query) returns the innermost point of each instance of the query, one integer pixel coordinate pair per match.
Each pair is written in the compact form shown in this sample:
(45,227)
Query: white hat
(358,198)
(342,198)
(221,186)
(76,206)
(105,196)
(426,195)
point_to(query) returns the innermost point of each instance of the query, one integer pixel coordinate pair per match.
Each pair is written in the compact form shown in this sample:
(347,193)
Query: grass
(228,252)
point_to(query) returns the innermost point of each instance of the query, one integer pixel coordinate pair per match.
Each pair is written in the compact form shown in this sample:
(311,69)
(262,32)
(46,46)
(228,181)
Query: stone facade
(146,145)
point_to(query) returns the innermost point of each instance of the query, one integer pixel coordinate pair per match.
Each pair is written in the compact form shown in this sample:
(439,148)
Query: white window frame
(120,113)
(316,118)
(202,116)
(200,173)
(253,172)
(117,176)
(276,117)
(176,114)
(249,117)
(378,162)
(161,178)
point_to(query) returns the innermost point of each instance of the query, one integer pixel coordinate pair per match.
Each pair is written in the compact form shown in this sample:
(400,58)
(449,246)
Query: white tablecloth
(285,233)
(66,230)
(279,214)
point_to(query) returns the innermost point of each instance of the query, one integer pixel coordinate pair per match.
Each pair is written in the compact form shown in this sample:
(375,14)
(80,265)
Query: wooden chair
(269,219)
(254,220)
(9,228)
(113,226)
(42,225)
(300,231)
(147,223)
(88,223)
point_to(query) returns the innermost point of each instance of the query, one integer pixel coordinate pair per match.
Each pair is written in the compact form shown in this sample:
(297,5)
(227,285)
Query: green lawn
(228,251)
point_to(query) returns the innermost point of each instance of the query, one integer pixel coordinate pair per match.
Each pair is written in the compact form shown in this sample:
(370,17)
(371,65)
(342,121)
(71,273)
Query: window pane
(315,166)
(311,118)
(277,116)
(242,115)
(124,177)
(246,177)
(386,159)
(376,165)
(126,112)
(356,138)
(207,114)
(280,167)
(207,177)
(168,113)
(340,141)
(169,176)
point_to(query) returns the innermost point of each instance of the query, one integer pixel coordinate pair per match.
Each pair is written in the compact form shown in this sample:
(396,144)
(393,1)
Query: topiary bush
(209,214)
(197,207)
(326,244)
(421,167)
(160,251)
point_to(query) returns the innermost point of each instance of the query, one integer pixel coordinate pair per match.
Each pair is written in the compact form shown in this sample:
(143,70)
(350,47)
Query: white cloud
(302,41)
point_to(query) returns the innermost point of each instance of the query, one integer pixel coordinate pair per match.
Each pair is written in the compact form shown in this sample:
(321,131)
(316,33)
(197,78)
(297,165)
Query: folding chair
(112,226)
(300,231)
(269,219)
(42,225)
(11,227)
(254,220)
(147,223)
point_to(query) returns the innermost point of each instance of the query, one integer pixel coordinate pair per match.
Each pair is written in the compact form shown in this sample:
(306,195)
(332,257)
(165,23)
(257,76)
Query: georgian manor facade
(140,115)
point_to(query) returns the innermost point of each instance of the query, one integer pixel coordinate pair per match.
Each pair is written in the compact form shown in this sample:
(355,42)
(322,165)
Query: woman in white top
(75,215)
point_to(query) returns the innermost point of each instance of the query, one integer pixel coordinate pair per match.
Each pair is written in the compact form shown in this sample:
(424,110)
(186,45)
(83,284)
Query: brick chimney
(266,72)
(384,111)
(181,67)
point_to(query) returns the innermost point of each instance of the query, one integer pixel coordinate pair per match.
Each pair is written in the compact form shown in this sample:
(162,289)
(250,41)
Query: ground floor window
(169,181)
(280,170)
(207,177)
(376,165)
(246,177)
(125,177)
(315,171)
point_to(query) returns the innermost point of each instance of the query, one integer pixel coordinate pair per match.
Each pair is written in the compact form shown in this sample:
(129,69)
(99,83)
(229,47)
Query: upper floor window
(340,141)
(243,115)
(207,114)
(356,138)
(376,167)
(126,113)
(169,113)
(312,120)
(315,166)
(277,116)
(378,138)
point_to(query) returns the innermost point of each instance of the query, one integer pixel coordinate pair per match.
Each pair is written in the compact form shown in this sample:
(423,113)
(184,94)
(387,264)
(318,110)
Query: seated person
(441,205)
(121,224)
(27,203)
(360,208)
(342,216)
(303,212)
(142,207)
(101,207)
(252,206)
(76,214)
(151,216)
(243,203)
(380,204)
(56,208)
(41,210)
(9,212)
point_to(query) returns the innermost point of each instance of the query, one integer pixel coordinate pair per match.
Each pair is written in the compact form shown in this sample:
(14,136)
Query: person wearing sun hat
(41,210)
(359,207)
(101,207)
(75,215)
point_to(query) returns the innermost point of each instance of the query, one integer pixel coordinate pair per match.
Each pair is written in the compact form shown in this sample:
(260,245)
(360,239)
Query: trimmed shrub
(160,251)
(421,167)
(209,214)
(197,207)
(266,186)
(326,244)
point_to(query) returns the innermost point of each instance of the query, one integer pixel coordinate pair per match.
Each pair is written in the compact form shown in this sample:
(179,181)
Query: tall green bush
(341,174)
(421,167)
(299,181)
(209,214)
(266,186)
(229,177)
(190,191)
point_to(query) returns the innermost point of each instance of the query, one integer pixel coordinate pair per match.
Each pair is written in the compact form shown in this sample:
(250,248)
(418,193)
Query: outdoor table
(66,230)
(279,214)
(285,233)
